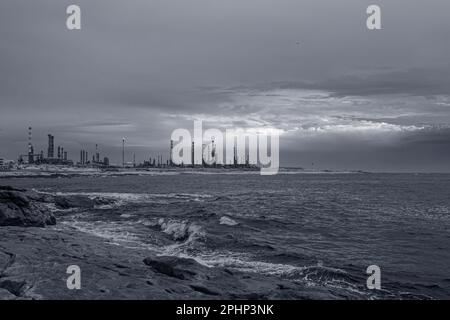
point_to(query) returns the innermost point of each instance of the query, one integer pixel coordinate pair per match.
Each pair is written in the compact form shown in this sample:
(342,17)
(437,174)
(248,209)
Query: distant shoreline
(69,172)
(66,171)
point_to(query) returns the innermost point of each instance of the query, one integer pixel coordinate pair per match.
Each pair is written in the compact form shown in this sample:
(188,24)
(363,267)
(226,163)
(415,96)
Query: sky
(344,97)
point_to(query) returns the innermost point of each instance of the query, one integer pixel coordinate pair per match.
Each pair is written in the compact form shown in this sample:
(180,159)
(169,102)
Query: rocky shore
(21,208)
(35,254)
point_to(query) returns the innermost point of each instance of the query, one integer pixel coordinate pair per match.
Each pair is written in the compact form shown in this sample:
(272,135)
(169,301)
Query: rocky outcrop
(33,265)
(179,268)
(19,209)
(34,262)
(80,201)
(196,281)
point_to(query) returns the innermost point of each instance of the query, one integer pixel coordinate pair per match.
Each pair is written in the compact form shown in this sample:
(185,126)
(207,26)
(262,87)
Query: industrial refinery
(58,155)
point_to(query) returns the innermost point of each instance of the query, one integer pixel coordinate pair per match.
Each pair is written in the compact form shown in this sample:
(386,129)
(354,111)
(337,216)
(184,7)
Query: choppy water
(317,229)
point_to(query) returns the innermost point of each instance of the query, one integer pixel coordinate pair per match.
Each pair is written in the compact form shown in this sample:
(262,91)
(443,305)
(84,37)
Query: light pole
(123,152)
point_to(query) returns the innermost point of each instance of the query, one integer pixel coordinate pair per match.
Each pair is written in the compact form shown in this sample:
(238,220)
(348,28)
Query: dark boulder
(175,267)
(16,209)
(39,197)
(64,202)
(9,188)
(80,201)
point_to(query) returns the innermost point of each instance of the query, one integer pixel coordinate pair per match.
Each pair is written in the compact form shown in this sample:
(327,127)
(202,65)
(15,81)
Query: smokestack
(51,147)
(213,151)
(97,154)
(30,147)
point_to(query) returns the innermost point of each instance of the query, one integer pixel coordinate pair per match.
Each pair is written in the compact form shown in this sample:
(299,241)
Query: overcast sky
(344,97)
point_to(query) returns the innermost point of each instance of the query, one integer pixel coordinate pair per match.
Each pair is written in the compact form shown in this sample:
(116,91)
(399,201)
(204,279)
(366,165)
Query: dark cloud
(420,82)
(143,68)
(424,151)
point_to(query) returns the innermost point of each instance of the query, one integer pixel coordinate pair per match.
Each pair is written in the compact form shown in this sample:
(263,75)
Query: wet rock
(15,287)
(16,209)
(179,268)
(204,290)
(6,295)
(80,201)
(99,201)
(186,278)
(39,197)
(9,188)
(73,202)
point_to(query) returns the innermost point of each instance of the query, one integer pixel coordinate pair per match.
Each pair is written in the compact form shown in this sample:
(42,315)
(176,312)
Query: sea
(317,229)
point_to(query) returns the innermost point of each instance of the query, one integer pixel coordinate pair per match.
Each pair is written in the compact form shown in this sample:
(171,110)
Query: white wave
(181,230)
(110,231)
(132,196)
(118,234)
(53,208)
(227,221)
(236,261)
(121,199)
